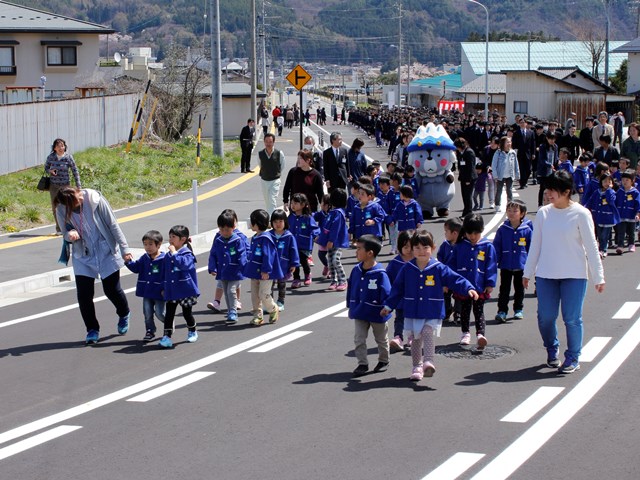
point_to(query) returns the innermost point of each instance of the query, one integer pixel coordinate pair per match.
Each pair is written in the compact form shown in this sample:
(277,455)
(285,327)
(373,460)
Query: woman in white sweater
(505,169)
(563,255)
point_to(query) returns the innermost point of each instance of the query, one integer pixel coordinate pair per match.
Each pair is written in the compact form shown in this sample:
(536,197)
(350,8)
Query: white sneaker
(481,342)
(465,339)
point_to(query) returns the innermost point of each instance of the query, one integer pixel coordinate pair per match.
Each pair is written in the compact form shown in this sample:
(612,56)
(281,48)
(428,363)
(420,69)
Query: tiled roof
(19,19)
(497,84)
(631,47)
(454,81)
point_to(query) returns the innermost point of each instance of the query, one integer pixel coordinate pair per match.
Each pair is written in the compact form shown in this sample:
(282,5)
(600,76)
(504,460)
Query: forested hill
(344,31)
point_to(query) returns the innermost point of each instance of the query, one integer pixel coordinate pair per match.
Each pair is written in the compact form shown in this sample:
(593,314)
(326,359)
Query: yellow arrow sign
(298,77)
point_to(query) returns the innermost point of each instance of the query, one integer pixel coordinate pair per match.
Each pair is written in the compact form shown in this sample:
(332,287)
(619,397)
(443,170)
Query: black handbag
(44,183)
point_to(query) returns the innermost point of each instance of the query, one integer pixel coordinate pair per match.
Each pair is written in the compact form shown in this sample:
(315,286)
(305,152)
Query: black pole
(301,119)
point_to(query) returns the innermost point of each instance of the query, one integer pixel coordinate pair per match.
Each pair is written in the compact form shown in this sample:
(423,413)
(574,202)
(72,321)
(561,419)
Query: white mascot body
(432,154)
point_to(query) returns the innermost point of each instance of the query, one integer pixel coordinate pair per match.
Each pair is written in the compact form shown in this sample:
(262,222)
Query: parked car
(349,104)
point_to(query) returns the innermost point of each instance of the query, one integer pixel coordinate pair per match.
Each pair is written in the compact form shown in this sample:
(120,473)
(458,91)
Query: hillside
(346,31)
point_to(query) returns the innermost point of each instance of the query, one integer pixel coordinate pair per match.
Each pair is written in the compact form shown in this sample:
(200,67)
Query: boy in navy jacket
(150,270)
(407,215)
(227,259)
(452,228)
(581,175)
(368,289)
(368,216)
(602,204)
(262,268)
(512,243)
(287,248)
(334,236)
(628,203)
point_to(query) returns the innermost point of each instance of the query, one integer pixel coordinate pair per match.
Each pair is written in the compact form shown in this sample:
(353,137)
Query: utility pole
(216,80)
(399,50)
(606,43)
(409,78)
(254,69)
(265,79)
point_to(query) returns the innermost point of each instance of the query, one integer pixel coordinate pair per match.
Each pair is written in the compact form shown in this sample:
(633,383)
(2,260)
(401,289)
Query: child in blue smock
(394,266)
(407,215)
(594,182)
(419,287)
(394,199)
(628,203)
(367,216)
(288,255)
(263,267)
(334,237)
(474,259)
(368,289)
(512,243)
(227,259)
(602,204)
(452,227)
(320,217)
(180,284)
(150,270)
(304,229)
(581,175)
(564,163)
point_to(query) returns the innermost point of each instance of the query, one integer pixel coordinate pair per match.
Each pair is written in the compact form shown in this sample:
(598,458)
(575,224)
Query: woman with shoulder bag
(57,166)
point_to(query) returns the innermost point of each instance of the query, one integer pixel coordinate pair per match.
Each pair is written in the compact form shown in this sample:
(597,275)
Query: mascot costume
(432,153)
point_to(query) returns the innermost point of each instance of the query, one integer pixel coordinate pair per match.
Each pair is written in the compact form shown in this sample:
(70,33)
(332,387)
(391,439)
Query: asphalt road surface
(279,402)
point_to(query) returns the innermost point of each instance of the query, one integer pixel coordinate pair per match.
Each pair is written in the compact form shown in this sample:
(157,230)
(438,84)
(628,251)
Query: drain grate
(491,352)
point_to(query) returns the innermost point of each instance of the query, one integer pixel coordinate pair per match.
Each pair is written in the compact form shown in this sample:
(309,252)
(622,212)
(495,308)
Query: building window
(520,107)
(61,56)
(7,61)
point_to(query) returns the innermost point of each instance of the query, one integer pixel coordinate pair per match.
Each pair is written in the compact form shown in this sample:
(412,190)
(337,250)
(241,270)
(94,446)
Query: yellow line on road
(148,213)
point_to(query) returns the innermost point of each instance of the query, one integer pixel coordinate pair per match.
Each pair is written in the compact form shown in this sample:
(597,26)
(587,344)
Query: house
(632,49)
(474,93)
(44,52)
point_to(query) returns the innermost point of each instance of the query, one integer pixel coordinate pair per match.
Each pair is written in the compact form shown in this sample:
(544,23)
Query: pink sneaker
(307,280)
(429,369)
(341,287)
(395,345)
(481,342)
(465,339)
(333,287)
(417,374)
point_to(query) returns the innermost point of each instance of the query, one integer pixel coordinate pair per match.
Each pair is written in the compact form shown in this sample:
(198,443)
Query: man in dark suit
(524,143)
(586,137)
(571,142)
(336,170)
(247,135)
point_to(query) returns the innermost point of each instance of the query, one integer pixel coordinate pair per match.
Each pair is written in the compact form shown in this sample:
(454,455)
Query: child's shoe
(518,315)
(465,339)
(341,287)
(361,370)
(150,335)
(214,306)
(296,284)
(123,324)
(238,305)
(166,342)
(325,272)
(395,345)
(333,287)
(232,319)
(92,337)
(310,261)
(501,317)
(192,337)
(280,306)
(619,250)
(289,277)
(632,248)
(257,321)
(307,280)
(381,367)
(273,316)
(481,342)
(429,369)
(417,374)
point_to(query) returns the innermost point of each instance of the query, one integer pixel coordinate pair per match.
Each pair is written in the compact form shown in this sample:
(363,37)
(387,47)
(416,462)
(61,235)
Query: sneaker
(553,362)
(166,342)
(569,366)
(325,271)
(123,324)
(296,284)
(492,205)
(192,337)
(395,345)
(238,305)
(232,319)
(518,315)
(310,261)
(361,370)
(273,316)
(417,374)
(289,277)
(92,337)
(280,306)
(257,321)
(307,280)
(481,342)
(619,250)
(501,317)
(341,287)
(603,254)
(465,339)
(215,306)
(381,367)
(632,248)
(333,287)
(429,369)
(497,208)
(149,336)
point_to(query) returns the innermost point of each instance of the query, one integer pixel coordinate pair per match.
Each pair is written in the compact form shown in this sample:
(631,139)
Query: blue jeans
(149,308)
(604,233)
(566,294)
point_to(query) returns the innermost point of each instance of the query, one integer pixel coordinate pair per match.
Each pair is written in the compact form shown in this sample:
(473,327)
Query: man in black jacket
(246,144)
(336,170)
(586,136)
(524,143)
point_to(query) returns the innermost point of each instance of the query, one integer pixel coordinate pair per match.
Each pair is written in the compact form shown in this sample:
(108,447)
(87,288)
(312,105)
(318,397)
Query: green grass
(157,170)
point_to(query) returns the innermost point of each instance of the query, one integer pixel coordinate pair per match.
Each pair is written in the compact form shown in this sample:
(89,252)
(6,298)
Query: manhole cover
(490,352)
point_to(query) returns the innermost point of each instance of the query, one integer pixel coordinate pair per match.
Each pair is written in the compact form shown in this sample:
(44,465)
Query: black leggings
(304,261)
(85,288)
(506,277)
(478,312)
(170,314)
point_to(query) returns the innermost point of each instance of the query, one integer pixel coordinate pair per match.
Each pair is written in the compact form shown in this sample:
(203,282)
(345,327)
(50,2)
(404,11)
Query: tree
(619,79)
(591,34)
(181,91)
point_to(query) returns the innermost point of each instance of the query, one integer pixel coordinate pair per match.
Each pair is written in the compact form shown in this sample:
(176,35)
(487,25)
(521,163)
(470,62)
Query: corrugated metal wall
(28,129)
(583,104)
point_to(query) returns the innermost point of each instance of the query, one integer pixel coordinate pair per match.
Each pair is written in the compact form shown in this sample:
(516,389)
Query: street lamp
(486,63)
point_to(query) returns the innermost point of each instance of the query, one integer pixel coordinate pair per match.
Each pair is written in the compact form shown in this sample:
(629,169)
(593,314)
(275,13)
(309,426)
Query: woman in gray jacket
(505,169)
(99,250)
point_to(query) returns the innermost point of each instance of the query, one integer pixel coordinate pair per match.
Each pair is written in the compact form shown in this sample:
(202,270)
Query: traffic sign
(298,77)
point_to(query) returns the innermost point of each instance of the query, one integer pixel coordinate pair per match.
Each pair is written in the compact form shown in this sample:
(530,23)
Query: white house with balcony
(41,52)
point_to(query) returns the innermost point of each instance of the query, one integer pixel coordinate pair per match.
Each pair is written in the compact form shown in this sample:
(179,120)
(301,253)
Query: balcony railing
(8,69)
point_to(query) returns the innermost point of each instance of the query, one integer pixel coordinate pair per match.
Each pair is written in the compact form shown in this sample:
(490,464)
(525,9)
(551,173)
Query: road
(278,401)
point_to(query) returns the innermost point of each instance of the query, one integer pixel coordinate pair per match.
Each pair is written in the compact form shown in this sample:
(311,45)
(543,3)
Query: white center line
(162,378)
(516,454)
(532,405)
(455,466)
(627,311)
(342,314)
(36,440)
(591,350)
(280,341)
(170,387)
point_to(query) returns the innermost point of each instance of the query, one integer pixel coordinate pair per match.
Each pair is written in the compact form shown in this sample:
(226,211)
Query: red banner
(448,105)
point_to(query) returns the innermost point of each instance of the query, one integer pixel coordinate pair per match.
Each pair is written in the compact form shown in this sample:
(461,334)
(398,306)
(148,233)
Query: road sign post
(298,77)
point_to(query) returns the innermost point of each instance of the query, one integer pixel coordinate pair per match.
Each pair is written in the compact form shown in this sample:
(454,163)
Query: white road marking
(343,314)
(170,387)
(162,378)
(36,440)
(627,311)
(455,466)
(638,287)
(591,350)
(532,405)
(279,342)
(511,458)
(491,236)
